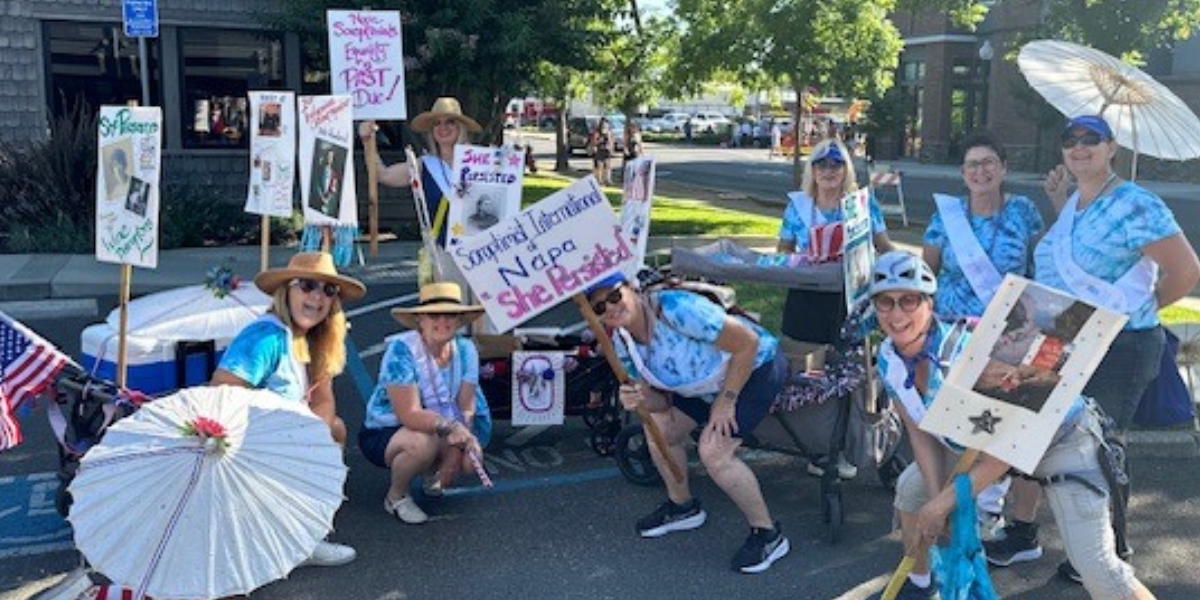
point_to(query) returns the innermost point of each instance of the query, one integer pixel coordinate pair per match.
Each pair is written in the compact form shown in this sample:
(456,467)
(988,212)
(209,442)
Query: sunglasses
(826,164)
(988,163)
(907,302)
(601,306)
(308,285)
(1087,139)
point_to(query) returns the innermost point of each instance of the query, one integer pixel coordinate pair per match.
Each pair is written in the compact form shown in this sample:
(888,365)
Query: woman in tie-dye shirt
(691,364)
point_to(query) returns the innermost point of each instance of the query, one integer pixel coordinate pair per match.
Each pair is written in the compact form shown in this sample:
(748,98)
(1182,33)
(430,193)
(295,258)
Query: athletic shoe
(845,470)
(670,517)
(329,554)
(762,548)
(910,591)
(1067,571)
(1018,544)
(406,510)
(991,526)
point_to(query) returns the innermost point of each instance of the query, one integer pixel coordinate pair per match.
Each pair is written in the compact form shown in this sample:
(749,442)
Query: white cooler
(175,338)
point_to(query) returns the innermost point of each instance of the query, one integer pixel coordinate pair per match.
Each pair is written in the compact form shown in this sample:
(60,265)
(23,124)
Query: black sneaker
(910,591)
(762,547)
(1019,543)
(672,517)
(1067,571)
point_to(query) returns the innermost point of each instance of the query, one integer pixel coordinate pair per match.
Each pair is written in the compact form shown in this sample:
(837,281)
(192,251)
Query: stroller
(817,416)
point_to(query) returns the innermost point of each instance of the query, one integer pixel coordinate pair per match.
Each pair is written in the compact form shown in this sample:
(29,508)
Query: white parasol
(168,512)
(1145,116)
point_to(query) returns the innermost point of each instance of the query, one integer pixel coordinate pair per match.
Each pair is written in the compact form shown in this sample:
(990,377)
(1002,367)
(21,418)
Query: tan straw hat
(310,265)
(443,108)
(439,297)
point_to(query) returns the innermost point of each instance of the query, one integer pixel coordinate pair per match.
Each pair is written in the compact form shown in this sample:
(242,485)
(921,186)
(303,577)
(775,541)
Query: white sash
(804,209)
(440,173)
(897,376)
(434,392)
(976,265)
(1125,295)
(696,389)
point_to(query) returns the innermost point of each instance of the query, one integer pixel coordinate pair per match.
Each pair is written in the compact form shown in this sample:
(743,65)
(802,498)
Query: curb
(1164,444)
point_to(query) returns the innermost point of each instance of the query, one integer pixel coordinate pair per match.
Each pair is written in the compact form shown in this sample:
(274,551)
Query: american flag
(28,364)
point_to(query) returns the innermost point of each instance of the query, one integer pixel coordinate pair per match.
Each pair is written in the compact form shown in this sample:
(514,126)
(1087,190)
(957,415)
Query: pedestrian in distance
(1114,244)
(913,363)
(422,417)
(297,348)
(692,364)
(603,147)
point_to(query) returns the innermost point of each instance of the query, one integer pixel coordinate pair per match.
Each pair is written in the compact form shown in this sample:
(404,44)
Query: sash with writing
(976,265)
(825,239)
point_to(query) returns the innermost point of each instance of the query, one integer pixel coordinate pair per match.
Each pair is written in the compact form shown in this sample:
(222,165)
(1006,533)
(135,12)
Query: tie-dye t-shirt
(682,347)
(261,356)
(400,367)
(793,228)
(1107,241)
(1005,236)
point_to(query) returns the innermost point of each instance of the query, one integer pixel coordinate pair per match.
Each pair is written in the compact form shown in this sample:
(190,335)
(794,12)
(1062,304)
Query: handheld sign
(858,254)
(127,190)
(1026,363)
(486,184)
(532,261)
(366,62)
(638,192)
(272,153)
(326,161)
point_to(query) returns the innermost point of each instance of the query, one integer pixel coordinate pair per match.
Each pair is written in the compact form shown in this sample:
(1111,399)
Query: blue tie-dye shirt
(1005,237)
(261,355)
(682,348)
(793,228)
(399,367)
(1107,241)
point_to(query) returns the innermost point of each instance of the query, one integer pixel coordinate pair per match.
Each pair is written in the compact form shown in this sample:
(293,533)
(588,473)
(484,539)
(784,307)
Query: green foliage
(1123,28)
(50,185)
(57,235)
(196,215)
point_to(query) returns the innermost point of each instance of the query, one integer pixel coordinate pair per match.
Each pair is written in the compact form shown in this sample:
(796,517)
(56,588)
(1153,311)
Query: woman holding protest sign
(913,364)
(444,126)
(812,225)
(692,363)
(427,415)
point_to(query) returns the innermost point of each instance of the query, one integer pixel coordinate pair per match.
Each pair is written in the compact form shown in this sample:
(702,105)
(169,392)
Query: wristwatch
(732,395)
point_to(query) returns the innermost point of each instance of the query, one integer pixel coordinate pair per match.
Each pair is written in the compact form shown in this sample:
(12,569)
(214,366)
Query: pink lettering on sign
(473,157)
(365,57)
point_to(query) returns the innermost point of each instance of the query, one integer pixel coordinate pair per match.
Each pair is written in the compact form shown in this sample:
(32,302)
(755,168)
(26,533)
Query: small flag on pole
(28,365)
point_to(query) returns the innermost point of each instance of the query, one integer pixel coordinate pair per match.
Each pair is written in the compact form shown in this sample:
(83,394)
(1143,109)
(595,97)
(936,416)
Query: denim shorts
(753,403)
(1130,366)
(373,443)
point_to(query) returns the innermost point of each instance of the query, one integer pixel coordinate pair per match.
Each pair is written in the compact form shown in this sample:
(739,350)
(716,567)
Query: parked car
(709,122)
(672,122)
(579,133)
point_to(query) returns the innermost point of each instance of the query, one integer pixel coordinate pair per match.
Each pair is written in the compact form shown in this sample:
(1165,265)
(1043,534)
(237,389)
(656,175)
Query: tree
(846,47)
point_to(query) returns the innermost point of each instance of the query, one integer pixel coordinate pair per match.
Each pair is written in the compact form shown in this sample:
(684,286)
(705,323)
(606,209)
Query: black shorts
(754,403)
(373,443)
(814,317)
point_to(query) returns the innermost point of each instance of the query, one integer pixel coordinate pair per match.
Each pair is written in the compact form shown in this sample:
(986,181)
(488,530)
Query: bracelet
(732,395)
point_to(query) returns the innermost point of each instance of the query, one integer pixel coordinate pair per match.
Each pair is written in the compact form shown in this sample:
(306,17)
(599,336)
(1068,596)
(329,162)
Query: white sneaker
(845,469)
(406,510)
(329,554)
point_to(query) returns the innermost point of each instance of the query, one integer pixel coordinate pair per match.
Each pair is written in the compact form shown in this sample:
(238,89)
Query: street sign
(141,18)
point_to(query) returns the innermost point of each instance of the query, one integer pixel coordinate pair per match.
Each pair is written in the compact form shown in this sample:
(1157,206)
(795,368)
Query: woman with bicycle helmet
(913,363)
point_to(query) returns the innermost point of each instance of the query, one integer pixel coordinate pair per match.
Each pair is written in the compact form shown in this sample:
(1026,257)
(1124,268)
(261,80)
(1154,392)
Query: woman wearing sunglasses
(812,320)
(426,415)
(1115,244)
(693,364)
(297,348)
(913,363)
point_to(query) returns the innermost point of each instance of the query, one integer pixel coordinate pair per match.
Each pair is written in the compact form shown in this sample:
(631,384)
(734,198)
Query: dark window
(219,67)
(96,64)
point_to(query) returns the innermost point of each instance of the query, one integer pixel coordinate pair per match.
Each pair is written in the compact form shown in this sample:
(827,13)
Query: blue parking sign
(141,18)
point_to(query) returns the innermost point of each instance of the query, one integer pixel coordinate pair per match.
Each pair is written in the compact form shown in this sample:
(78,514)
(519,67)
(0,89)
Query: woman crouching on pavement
(913,363)
(691,363)
(421,416)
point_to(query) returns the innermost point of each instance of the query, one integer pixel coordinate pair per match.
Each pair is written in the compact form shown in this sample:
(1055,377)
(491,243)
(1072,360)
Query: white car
(672,122)
(709,121)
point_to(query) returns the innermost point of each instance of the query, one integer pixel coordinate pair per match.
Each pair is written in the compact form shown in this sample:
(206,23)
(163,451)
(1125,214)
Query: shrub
(198,215)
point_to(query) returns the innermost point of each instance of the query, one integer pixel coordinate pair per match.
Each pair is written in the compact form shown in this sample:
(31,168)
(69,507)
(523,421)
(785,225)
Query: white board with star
(1027,362)
(487,189)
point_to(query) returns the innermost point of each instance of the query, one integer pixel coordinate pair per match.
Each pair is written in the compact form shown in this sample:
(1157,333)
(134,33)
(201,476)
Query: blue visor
(611,281)
(1093,123)
(828,152)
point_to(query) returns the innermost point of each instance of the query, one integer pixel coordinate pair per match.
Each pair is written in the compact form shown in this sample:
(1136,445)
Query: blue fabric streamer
(344,237)
(961,567)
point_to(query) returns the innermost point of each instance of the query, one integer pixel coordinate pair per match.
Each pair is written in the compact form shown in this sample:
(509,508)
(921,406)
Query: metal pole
(145,71)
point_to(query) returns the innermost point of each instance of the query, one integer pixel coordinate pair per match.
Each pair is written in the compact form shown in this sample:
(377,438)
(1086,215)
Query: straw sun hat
(310,265)
(444,108)
(443,297)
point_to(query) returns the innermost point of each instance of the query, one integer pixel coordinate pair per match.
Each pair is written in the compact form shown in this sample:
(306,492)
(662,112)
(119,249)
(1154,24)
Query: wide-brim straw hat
(311,265)
(441,297)
(444,108)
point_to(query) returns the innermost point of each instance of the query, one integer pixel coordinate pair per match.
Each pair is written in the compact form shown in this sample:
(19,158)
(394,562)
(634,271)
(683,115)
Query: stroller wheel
(603,437)
(633,457)
(890,471)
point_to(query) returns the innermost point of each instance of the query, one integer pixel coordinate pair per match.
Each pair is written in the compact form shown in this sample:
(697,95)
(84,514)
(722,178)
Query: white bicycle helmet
(902,271)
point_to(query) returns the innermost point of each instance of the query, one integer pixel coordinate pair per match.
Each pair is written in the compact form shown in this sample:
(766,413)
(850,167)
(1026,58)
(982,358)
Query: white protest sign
(556,248)
(326,161)
(1028,360)
(487,189)
(538,388)
(272,153)
(366,62)
(127,191)
(858,250)
(638,192)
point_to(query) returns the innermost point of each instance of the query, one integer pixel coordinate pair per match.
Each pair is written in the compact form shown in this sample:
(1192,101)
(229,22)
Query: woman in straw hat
(297,348)
(444,126)
(424,416)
